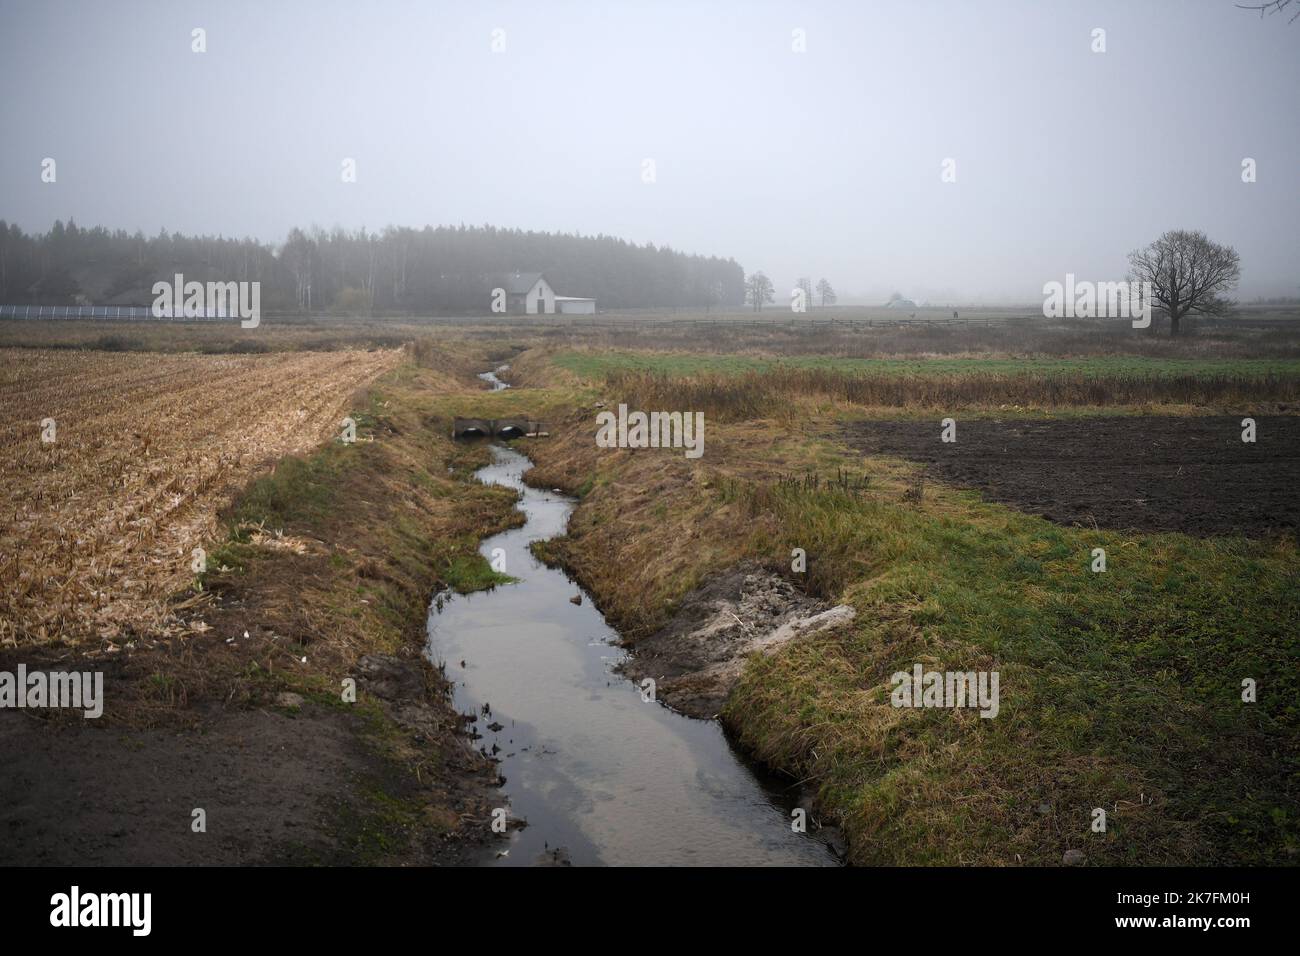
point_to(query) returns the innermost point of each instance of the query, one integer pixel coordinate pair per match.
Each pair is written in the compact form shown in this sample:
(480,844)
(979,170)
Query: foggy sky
(825,163)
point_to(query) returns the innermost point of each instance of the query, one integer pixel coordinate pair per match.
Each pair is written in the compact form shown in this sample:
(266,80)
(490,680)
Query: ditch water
(594,770)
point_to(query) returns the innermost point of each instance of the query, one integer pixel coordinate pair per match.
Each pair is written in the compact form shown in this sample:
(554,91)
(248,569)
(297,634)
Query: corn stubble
(98,527)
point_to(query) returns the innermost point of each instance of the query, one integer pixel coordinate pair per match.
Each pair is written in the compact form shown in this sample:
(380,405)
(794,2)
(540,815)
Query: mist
(800,139)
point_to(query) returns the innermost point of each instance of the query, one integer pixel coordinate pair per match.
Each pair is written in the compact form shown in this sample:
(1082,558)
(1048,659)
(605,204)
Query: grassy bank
(332,558)
(1120,690)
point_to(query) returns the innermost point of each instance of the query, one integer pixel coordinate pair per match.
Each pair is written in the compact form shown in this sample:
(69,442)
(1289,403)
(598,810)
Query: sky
(698,125)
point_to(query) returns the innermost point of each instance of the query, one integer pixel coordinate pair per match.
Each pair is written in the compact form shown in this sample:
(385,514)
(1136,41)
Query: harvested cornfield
(114,465)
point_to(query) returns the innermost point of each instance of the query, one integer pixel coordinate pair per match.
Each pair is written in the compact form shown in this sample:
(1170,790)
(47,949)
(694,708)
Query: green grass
(299,491)
(1119,690)
(466,573)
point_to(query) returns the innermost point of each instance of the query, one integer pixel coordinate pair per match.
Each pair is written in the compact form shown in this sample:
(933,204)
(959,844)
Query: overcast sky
(824,163)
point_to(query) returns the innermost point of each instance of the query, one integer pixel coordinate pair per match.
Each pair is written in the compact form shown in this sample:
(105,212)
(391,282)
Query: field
(1121,689)
(1193,475)
(1103,368)
(100,523)
(223,685)
(821,334)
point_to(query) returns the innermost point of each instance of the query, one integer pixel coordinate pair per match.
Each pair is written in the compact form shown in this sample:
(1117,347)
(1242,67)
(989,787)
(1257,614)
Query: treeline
(435,270)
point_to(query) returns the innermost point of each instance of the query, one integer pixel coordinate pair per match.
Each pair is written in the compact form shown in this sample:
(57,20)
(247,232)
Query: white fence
(75,312)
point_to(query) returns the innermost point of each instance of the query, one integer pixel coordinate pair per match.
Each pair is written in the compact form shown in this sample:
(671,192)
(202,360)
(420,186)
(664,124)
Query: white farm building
(528,293)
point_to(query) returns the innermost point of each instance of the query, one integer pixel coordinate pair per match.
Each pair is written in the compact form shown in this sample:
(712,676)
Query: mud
(1191,475)
(696,659)
(81,795)
(287,780)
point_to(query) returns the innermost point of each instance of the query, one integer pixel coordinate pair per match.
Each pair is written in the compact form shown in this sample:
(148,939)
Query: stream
(599,775)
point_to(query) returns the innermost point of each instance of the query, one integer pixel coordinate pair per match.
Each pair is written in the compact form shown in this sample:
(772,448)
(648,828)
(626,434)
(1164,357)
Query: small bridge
(497,428)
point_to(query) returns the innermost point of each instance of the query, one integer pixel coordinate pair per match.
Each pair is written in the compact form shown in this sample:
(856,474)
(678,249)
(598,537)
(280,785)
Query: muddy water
(593,769)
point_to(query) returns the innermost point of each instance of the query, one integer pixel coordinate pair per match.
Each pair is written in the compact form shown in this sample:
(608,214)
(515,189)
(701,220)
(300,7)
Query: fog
(825,162)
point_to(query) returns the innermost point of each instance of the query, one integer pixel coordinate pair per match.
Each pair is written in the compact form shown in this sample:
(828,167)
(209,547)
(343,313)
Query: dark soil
(1191,475)
(283,778)
(79,795)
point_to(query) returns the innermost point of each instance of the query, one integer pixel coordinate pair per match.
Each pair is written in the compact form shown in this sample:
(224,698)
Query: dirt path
(1193,475)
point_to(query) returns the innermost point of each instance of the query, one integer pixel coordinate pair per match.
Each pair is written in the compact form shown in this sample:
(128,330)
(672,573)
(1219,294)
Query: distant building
(529,293)
(896,301)
(573,305)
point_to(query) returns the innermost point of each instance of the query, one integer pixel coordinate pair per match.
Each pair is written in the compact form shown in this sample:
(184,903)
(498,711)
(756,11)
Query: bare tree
(1270,7)
(826,292)
(758,289)
(1187,273)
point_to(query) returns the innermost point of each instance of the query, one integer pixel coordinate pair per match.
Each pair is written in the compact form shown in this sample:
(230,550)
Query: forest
(442,270)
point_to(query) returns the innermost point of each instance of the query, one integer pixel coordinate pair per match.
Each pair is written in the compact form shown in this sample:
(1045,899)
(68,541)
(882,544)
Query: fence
(774,324)
(112,313)
(75,312)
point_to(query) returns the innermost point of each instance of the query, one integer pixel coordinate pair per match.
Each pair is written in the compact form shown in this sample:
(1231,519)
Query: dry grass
(1010,333)
(99,526)
(1242,338)
(775,391)
(1119,690)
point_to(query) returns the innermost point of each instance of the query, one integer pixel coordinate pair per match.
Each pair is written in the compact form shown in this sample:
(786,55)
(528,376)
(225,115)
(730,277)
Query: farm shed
(574,305)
